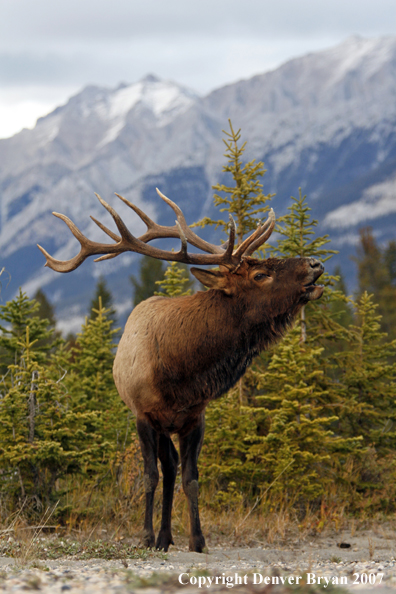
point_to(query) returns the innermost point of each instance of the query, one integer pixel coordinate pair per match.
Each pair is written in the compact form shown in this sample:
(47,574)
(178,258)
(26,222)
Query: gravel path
(369,564)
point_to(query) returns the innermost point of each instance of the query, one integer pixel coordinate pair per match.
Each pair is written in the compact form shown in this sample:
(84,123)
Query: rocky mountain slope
(325,121)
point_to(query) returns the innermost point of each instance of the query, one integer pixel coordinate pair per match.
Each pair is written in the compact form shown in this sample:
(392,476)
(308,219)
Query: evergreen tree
(341,308)
(367,386)
(295,420)
(18,314)
(41,437)
(376,275)
(151,270)
(244,200)
(91,379)
(176,282)
(45,310)
(299,241)
(103,293)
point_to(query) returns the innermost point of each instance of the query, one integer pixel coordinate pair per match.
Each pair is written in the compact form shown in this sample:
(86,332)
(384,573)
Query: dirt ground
(361,561)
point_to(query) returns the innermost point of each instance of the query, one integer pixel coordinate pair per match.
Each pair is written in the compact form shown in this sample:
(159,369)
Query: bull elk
(177,354)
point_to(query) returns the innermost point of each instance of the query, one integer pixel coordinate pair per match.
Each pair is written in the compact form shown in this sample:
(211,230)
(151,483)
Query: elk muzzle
(315,270)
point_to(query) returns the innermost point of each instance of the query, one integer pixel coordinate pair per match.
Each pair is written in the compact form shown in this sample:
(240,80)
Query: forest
(308,435)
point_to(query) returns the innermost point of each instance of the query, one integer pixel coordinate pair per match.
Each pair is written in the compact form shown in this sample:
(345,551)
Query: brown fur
(178,354)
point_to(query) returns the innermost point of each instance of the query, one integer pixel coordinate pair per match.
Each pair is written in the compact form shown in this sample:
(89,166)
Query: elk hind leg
(169,460)
(190,447)
(148,439)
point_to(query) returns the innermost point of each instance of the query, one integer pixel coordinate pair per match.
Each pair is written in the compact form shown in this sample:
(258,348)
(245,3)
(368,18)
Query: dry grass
(111,509)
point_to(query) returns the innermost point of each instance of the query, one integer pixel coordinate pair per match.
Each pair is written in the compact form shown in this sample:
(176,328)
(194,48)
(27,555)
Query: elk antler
(126,242)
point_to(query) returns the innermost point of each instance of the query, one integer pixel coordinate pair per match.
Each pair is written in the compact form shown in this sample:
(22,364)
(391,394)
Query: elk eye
(260,276)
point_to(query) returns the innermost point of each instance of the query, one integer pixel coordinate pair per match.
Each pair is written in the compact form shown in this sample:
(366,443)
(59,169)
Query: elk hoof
(164,540)
(148,540)
(197,544)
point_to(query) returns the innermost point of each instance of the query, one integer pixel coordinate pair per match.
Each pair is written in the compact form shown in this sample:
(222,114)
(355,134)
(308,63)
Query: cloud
(79,42)
(48,22)
(202,45)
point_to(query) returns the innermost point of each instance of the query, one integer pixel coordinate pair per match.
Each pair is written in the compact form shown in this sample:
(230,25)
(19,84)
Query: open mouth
(312,290)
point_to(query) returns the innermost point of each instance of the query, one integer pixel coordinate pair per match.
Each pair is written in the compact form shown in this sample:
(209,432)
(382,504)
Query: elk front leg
(169,460)
(190,447)
(148,439)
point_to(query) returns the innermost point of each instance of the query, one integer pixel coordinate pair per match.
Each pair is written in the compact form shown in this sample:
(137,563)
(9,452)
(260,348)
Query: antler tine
(106,230)
(183,239)
(231,238)
(122,228)
(73,263)
(192,238)
(146,219)
(269,227)
(154,230)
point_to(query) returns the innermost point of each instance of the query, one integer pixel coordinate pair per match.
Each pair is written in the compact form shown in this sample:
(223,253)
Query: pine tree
(365,388)
(151,270)
(177,281)
(45,310)
(18,314)
(295,442)
(376,275)
(41,437)
(91,381)
(299,241)
(244,200)
(102,292)
(368,382)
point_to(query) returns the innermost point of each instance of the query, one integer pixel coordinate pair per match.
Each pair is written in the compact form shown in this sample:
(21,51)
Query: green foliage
(42,437)
(377,274)
(91,379)
(298,233)
(151,271)
(244,200)
(367,384)
(176,282)
(296,443)
(16,315)
(315,413)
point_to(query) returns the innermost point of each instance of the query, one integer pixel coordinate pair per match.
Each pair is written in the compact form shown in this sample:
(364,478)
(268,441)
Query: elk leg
(169,460)
(148,439)
(190,447)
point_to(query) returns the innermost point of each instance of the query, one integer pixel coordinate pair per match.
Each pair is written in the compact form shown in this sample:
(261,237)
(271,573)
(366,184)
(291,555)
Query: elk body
(177,354)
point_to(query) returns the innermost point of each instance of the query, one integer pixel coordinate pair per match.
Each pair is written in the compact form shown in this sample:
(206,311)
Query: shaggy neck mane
(214,361)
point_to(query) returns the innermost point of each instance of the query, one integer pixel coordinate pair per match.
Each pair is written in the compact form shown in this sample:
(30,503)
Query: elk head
(237,268)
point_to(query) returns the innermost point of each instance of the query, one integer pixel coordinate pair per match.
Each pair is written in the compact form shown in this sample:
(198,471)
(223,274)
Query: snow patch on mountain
(164,99)
(377,201)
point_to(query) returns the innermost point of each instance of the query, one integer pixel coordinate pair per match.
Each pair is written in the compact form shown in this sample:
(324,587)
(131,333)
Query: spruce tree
(299,240)
(42,438)
(244,200)
(91,380)
(295,442)
(177,281)
(16,315)
(367,385)
(376,275)
(102,292)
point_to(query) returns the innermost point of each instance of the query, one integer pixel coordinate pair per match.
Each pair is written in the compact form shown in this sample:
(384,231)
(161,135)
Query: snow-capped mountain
(325,122)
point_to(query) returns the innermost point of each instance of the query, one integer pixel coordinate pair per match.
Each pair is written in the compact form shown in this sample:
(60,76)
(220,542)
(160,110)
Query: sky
(50,50)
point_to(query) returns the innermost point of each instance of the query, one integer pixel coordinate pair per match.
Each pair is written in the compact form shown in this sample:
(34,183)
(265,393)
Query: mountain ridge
(325,122)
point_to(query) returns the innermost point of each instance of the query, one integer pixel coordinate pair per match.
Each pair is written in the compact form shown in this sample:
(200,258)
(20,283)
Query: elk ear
(213,279)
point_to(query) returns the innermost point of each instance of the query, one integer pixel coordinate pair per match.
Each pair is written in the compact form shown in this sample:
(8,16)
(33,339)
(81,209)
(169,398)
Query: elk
(177,354)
